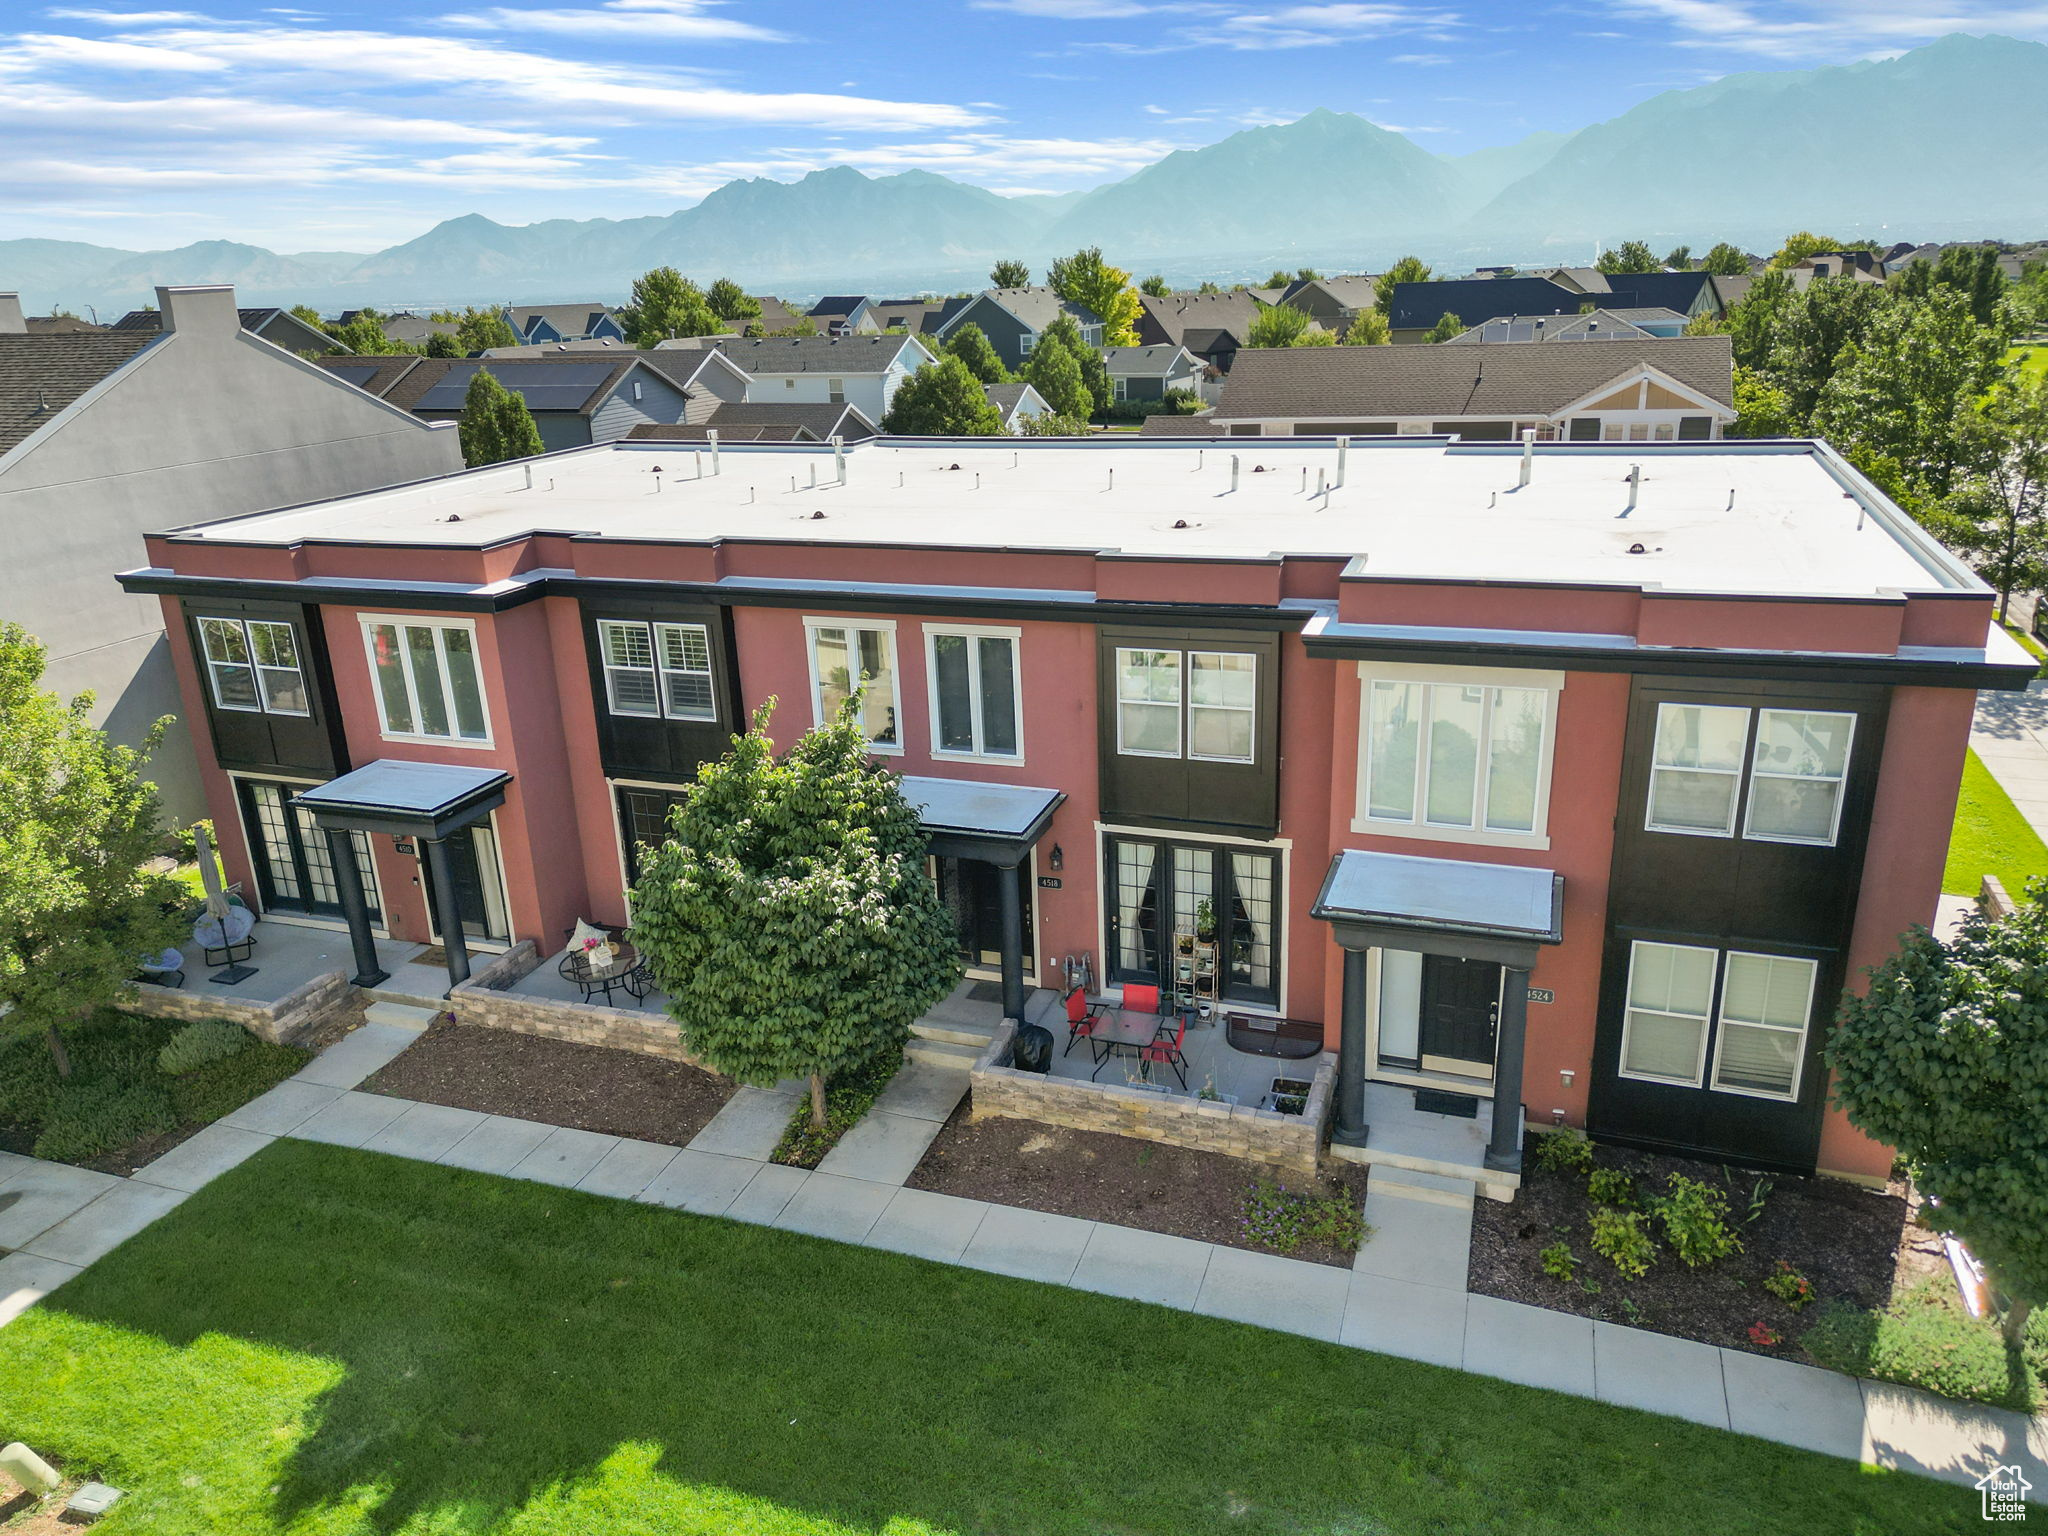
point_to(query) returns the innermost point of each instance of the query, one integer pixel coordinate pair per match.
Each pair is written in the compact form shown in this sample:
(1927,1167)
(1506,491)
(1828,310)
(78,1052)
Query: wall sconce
(1566,1074)
(1059,859)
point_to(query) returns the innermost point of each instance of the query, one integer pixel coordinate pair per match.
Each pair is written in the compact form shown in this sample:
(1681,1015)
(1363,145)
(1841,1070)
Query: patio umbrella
(209,875)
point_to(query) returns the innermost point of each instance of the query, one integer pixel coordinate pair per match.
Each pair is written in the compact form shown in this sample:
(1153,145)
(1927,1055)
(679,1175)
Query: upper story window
(1797,762)
(1456,753)
(846,657)
(977,693)
(1195,703)
(253,665)
(835,391)
(656,670)
(429,686)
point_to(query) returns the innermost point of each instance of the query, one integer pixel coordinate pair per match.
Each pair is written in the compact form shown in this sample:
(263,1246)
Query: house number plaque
(1542,995)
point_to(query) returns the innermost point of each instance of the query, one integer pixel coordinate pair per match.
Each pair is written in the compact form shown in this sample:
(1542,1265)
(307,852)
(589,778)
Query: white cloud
(1287,26)
(1067,10)
(686,20)
(1805,29)
(1422,59)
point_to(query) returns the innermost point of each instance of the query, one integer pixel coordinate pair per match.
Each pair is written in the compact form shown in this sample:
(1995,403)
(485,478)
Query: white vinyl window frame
(1757,772)
(1183,702)
(1178,703)
(1550,685)
(1733,775)
(651,660)
(851,628)
(263,675)
(1249,711)
(974,634)
(1800,1033)
(441,626)
(1704,1018)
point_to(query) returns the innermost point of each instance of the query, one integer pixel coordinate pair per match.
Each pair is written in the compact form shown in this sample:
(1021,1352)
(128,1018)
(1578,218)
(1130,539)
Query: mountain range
(1947,141)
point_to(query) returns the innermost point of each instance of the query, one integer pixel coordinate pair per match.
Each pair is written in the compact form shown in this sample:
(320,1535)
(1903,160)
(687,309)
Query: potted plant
(1205,921)
(1208,1093)
(1289,1095)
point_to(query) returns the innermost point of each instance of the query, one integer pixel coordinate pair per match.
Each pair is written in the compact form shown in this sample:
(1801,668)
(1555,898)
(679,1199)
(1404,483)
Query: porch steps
(943,1053)
(1411,1184)
(405,997)
(957,1031)
(400,1015)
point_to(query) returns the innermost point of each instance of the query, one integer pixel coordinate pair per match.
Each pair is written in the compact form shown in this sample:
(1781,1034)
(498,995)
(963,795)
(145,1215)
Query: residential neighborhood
(758,894)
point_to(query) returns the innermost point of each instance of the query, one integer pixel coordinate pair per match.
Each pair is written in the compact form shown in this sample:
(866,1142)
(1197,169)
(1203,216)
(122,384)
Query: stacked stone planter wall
(290,1018)
(1289,1143)
(486,1001)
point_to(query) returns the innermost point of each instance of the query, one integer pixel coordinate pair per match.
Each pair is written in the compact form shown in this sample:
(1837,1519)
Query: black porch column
(355,906)
(448,907)
(1504,1151)
(1013,944)
(1351,1127)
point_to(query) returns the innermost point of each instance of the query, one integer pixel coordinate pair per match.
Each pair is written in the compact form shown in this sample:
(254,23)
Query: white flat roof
(1723,517)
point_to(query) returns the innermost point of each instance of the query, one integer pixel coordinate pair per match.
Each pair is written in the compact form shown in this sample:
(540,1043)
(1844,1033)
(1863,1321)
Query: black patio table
(625,971)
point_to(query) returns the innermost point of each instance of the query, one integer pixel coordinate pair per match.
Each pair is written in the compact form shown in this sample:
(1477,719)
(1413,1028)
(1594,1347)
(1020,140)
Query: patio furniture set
(1145,1027)
(601,961)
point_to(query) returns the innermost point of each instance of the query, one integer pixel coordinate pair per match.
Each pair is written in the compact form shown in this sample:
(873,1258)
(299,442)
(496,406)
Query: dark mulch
(1120,1179)
(1844,1238)
(21,1139)
(589,1087)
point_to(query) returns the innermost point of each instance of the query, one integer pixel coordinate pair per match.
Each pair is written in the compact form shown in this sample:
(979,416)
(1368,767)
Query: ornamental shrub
(1559,1262)
(193,1046)
(88,1119)
(1564,1150)
(1619,1238)
(1695,1218)
(1611,1186)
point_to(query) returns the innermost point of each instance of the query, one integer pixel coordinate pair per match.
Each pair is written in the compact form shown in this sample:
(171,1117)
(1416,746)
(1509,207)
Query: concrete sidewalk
(2010,736)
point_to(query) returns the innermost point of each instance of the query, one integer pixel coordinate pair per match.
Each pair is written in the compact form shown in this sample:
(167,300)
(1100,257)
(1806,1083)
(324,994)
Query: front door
(293,872)
(972,892)
(1460,1014)
(473,862)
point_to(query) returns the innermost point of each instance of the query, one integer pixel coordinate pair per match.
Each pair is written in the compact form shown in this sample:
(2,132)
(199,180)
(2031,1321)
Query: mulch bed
(1851,1242)
(1102,1177)
(589,1087)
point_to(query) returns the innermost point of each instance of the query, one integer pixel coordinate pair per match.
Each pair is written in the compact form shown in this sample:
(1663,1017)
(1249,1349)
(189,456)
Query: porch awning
(970,819)
(1500,912)
(407,799)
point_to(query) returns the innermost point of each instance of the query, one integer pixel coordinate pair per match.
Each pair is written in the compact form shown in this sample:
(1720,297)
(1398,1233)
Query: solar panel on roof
(550,387)
(358,374)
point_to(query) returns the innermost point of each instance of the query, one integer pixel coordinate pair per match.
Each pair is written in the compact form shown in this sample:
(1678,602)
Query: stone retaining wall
(1288,1143)
(486,1001)
(290,1018)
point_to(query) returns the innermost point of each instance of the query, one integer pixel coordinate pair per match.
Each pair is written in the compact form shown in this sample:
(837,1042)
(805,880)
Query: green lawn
(336,1342)
(1990,838)
(2032,360)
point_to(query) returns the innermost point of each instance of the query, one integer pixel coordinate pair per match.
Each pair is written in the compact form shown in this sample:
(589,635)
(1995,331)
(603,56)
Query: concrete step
(402,1015)
(1410,1184)
(958,1032)
(406,997)
(1470,1172)
(942,1053)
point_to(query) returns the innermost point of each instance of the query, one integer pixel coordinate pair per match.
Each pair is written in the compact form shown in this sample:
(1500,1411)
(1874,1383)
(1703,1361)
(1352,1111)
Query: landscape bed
(1102,1177)
(326,1340)
(530,1077)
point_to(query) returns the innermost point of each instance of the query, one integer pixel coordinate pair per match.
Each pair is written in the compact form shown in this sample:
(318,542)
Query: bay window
(976,693)
(654,670)
(1199,704)
(1797,763)
(846,658)
(253,665)
(429,684)
(1456,753)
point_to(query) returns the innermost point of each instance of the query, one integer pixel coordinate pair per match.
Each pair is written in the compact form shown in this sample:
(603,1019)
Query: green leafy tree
(1277,325)
(1909,388)
(1754,319)
(666,304)
(1084,278)
(1409,269)
(942,399)
(1054,371)
(1052,424)
(1806,243)
(1629,256)
(1447,325)
(1094,370)
(365,335)
(1155,286)
(1761,408)
(1706,323)
(77,912)
(1279,277)
(1971,270)
(971,345)
(478,330)
(441,344)
(1368,328)
(804,326)
(1725,260)
(1816,331)
(789,917)
(1009,274)
(1208,287)
(305,312)
(732,303)
(1945,1058)
(1679,258)
(495,424)
(1998,514)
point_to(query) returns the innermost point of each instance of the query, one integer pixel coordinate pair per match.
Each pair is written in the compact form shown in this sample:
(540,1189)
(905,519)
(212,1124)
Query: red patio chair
(1141,997)
(1082,1017)
(1166,1048)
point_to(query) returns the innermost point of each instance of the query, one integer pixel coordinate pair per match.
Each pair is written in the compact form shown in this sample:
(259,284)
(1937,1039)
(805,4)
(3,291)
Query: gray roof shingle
(41,374)
(767,421)
(814,354)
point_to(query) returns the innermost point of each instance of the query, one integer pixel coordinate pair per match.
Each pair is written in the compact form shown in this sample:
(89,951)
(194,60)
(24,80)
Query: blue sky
(356,126)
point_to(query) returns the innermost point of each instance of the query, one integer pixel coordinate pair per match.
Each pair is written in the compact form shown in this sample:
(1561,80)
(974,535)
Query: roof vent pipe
(839,456)
(711,437)
(814,477)
(1343,448)
(529,477)
(1635,485)
(1233,471)
(1528,452)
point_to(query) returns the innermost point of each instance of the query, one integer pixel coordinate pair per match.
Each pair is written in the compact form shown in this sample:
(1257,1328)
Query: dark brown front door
(1460,1012)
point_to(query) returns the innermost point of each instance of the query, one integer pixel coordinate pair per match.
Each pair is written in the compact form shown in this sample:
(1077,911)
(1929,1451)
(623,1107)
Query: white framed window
(1670,1001)
(1222,705)
(977,692)
(657,669)
(1148,702)
(1456,753)
(429,684)
(253,665)
(1760,1045)
(1696,769)
(1797,774)
(1026,342)
(835,391)
(1198,704)
(789,383)
(846,657)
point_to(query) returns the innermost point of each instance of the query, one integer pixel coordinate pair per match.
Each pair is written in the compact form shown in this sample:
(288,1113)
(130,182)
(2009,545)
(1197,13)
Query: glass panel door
(293,870)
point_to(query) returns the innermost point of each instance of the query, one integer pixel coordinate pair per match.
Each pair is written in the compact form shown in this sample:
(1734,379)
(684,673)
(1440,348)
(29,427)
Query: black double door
(1460,1017)
(972,891)
(293,870)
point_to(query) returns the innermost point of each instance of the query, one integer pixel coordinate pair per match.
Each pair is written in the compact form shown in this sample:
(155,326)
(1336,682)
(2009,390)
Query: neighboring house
(921,317)
(861,371)
(1857,266)
(106,435)
(1014,318)
(1014,402)
(696,367)
(1180,426)
(1594,325)
(843,314)
(538,323)
(773,422)
(1579,813)
(1413,309)
(414,330)
(1210,325)
(279,327)
(59,325)
(1331,302)
(1147,373)
(775,315)
(1653,391)
(575,400)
